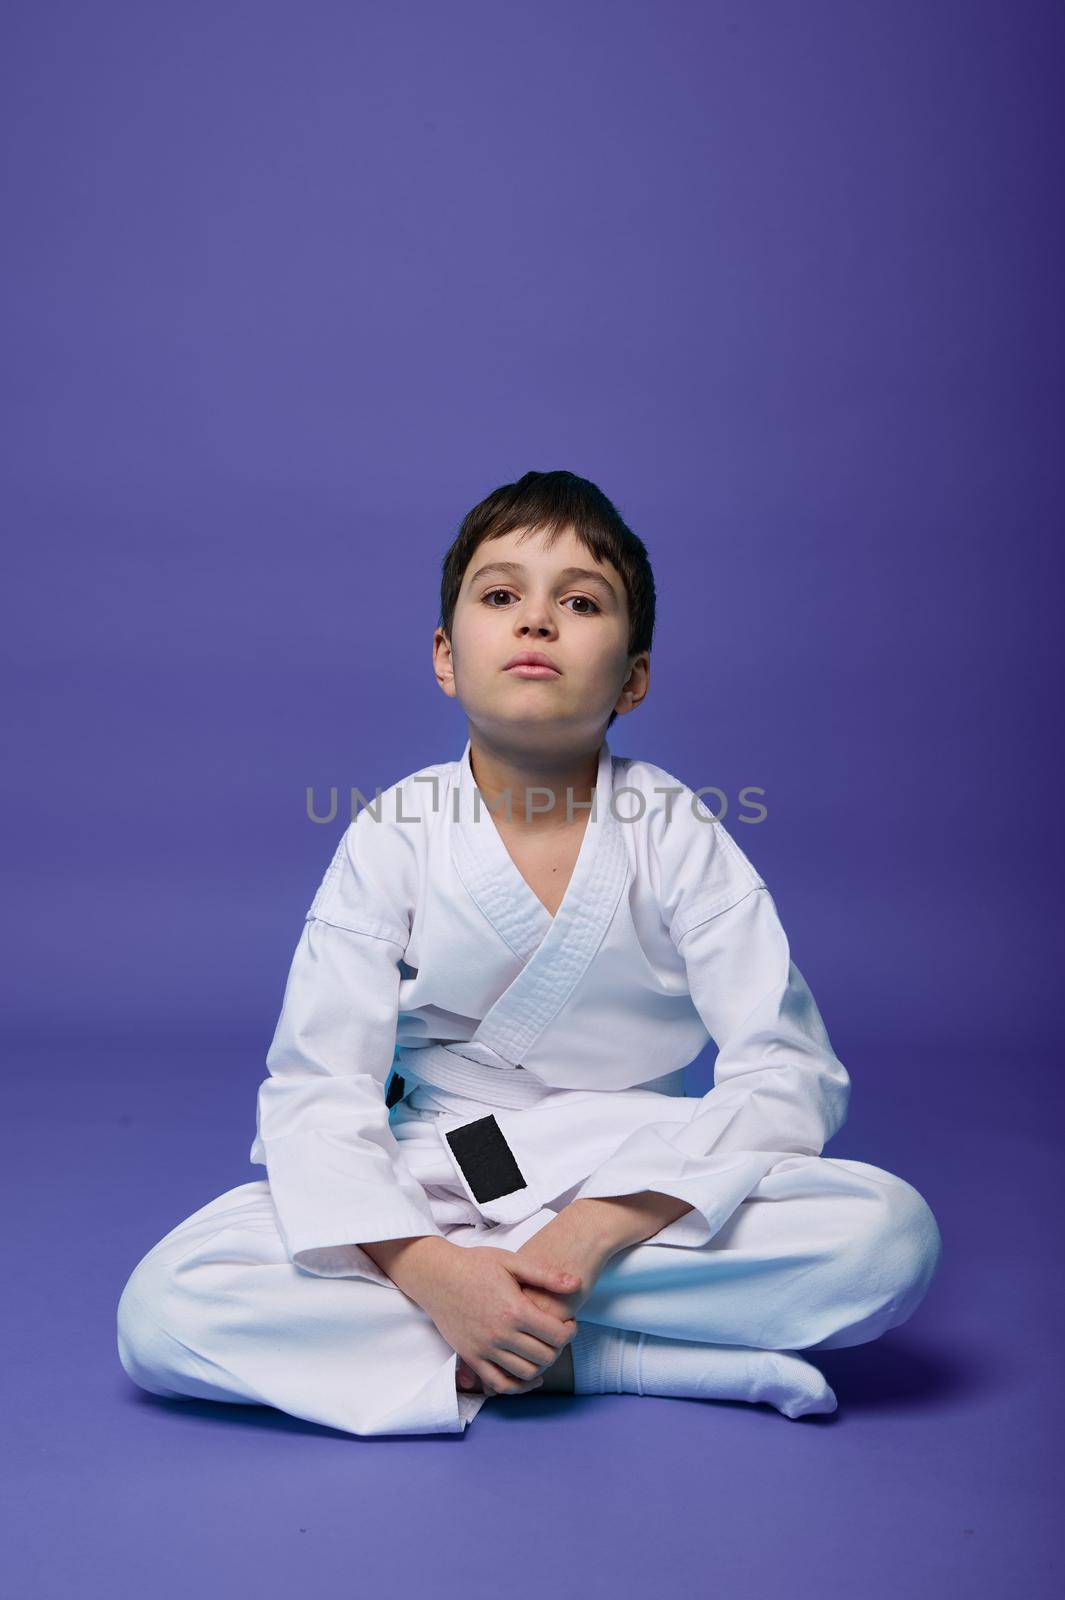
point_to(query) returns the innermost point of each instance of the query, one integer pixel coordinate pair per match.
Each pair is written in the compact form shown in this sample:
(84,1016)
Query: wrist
(408,1262)
(628,1219)
(597,1224)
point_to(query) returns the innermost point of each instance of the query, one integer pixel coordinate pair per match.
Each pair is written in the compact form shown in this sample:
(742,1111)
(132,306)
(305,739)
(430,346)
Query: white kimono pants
(822,1253)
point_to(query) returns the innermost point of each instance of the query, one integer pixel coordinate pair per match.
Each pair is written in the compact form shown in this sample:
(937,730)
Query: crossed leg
(822,1253)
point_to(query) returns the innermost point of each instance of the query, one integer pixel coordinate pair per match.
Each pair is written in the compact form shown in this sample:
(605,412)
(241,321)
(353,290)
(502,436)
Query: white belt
(442,1068)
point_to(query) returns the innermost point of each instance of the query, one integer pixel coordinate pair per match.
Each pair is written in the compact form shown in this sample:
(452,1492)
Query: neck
(549,790)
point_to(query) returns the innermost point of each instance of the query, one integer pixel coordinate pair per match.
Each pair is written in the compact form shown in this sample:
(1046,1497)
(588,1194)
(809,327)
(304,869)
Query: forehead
(531,551)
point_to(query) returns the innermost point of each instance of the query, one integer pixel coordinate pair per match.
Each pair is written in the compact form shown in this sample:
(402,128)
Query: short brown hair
(549,502)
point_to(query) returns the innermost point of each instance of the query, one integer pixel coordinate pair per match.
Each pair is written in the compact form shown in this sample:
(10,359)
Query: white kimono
(425,950)
(451,1059)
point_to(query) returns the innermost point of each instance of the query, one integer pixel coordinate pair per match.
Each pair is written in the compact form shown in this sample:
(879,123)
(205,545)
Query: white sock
(618,1361)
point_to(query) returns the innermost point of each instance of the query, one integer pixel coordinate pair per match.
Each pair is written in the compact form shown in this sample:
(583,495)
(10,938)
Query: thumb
(545,1276)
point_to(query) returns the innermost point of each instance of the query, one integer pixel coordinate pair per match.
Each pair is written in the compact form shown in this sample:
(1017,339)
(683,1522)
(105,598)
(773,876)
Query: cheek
(476,643)
(481,637)
(610,662)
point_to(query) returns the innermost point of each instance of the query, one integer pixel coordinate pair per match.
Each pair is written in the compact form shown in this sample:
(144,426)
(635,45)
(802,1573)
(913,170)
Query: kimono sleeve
(779,1088)
(337,1174)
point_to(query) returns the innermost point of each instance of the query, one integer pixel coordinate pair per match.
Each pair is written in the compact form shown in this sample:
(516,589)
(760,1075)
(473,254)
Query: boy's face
(517,595)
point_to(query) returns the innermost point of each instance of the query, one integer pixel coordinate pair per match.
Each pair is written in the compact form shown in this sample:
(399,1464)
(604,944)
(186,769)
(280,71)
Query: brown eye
(583,598)
(485,598)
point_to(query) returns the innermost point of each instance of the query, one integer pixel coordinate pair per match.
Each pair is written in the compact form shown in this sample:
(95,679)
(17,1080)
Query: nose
(535,618)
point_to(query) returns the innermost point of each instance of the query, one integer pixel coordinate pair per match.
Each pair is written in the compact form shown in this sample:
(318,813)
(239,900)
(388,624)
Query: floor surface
(939,1473)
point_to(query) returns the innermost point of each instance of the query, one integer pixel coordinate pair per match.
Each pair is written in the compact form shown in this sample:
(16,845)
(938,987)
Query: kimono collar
(493,879)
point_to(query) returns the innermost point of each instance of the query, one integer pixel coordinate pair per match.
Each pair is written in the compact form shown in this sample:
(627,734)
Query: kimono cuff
(331,1195)
(714,1186)
(324,1214)
(341,1256)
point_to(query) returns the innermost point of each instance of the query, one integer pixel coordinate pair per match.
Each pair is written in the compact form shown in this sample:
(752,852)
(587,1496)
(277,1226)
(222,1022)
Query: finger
(543,1275)
(542,1301)
(516,1365)
(555,1331)
(542,1351)
(496,1381)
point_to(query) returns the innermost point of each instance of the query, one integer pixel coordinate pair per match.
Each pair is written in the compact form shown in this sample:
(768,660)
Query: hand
(572,1241)
(479,1299)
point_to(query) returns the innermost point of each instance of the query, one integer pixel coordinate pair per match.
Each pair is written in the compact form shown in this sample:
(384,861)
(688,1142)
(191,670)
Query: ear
(636,684)
(443,663)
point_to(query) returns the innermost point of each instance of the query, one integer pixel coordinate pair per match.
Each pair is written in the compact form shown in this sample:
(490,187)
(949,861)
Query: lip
(532,664)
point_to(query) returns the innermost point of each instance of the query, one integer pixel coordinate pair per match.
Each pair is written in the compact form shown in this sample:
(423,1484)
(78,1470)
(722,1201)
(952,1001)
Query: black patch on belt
(486,1159)
(395,1090)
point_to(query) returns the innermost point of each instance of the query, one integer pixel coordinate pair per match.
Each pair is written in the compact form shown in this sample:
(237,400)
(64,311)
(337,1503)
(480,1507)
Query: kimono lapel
(485,866)
(556,950)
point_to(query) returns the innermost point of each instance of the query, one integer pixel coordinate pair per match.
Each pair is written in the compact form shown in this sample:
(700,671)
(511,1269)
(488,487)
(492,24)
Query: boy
(483,1174)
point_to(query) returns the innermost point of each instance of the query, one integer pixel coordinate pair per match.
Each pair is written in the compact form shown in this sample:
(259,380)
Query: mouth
(532,664)
(532,669)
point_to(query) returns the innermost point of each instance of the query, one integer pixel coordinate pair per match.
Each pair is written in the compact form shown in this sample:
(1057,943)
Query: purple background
(287,290)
